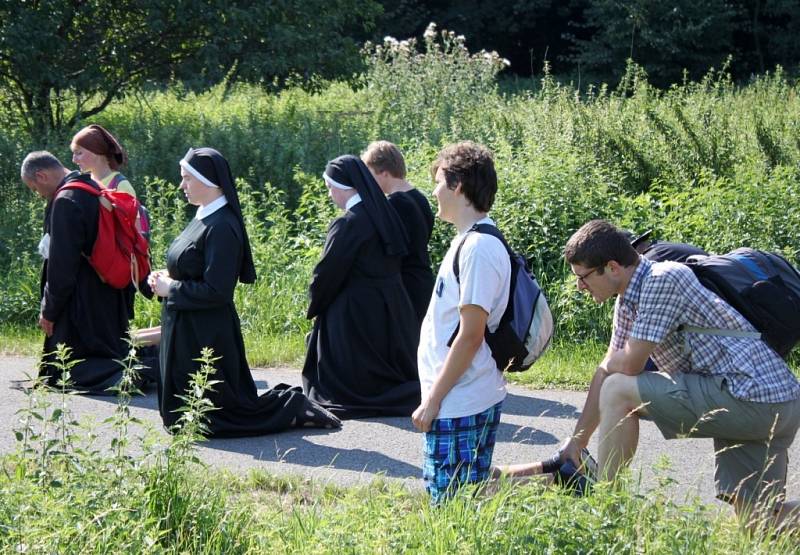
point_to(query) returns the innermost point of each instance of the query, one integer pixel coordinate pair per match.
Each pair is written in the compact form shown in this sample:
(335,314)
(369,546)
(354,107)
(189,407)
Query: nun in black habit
(362,352)
(203,265)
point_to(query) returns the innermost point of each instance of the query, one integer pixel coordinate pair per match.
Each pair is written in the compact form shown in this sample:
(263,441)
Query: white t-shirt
(485,272)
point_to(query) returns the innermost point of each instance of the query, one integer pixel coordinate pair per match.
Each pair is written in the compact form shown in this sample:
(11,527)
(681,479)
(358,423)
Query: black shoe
(587,464)
(573,479)
(315,416)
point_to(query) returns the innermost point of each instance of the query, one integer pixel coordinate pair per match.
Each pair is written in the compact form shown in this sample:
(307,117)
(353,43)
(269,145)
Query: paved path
(533,423)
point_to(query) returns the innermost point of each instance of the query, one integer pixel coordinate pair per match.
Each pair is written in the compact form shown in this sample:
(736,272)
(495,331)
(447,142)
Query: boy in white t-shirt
(462,389)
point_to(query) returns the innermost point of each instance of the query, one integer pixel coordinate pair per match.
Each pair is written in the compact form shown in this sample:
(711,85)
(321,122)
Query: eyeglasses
(582,278)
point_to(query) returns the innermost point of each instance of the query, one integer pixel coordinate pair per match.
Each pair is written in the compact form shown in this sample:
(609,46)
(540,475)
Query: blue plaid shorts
(459,451)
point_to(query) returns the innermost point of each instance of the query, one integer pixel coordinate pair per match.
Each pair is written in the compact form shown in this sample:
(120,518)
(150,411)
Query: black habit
(416,214)
(361,358)
(89,316)
(206,260)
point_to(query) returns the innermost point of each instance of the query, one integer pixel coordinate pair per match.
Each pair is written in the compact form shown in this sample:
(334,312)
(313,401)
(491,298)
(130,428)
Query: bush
(706,162)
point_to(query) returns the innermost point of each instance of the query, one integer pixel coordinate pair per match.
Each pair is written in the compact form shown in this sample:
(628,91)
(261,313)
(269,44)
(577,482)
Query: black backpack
(762,286)
(526,326)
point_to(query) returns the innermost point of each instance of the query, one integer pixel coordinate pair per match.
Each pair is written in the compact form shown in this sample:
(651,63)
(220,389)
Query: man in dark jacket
(77,308)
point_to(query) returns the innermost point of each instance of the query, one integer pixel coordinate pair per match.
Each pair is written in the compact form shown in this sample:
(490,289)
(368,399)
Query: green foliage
(426,95)
(62,62)
(707,162)
(282,41)
(61,492)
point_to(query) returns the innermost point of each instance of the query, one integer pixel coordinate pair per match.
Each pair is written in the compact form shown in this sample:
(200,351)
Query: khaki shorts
(751,440)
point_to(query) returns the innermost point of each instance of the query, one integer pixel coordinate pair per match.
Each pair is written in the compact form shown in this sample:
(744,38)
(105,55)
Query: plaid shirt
(662,296)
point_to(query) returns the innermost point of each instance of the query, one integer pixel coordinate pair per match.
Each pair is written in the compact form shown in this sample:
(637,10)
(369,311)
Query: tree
(664,37)
(767,34)
(65,60)
(281,39)
(525,31)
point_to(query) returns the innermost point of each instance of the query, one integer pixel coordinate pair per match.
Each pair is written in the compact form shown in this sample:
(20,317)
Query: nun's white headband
(333,183)
(200,177)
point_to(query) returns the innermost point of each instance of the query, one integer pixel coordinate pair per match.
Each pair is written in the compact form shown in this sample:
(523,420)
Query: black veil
(214,167)
(351,171)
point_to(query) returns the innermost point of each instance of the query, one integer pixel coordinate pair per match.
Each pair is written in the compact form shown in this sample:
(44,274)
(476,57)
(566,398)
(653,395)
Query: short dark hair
(383,156)
(597,243)
(472,166)
(37,161)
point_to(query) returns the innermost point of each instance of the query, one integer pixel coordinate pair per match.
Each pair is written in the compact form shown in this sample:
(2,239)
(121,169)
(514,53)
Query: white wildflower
(430,31)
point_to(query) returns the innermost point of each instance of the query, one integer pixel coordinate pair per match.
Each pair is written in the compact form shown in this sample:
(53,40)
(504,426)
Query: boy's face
(446,198)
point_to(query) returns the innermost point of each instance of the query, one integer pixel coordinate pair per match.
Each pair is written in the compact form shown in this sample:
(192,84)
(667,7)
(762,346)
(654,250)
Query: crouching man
(735,390)
(462,389)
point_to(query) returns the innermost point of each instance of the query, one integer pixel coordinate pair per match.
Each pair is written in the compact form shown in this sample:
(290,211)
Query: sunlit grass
(563,366)
(19,340)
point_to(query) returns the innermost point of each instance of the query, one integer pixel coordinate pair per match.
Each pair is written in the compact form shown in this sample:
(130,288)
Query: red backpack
(120,253)
(143,223)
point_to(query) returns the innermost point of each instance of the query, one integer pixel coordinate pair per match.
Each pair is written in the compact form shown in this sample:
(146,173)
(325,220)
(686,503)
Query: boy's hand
(424,415)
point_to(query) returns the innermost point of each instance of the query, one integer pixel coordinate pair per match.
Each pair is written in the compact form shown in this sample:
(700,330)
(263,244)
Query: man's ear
(614,267)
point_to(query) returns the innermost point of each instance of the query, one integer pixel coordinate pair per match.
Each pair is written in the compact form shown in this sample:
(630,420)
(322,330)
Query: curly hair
(472,166)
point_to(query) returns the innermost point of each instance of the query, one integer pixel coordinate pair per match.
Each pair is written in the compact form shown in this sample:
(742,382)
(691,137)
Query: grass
(260,512)
(563,366)
(268,351)
(63,492)
(19,340)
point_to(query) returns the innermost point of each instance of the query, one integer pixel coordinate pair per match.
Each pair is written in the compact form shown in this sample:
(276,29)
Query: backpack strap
(716,332)
(80,186)
(488,229)
(82,182)
(720,332)
(115,181)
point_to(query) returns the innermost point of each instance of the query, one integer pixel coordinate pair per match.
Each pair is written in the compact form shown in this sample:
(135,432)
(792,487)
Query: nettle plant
(424,92)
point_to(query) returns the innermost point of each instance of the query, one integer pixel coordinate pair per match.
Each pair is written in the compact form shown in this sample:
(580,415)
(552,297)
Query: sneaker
(573,479)
(587,465)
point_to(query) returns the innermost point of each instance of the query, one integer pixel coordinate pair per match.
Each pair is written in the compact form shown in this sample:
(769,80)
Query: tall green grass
(706,162)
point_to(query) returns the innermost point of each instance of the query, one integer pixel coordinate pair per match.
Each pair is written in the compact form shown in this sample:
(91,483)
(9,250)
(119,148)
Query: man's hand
(572,451)
(424,415)
(46,325)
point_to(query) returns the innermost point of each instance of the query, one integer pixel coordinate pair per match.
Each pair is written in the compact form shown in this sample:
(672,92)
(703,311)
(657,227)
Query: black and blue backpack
(762,286)
(526,327)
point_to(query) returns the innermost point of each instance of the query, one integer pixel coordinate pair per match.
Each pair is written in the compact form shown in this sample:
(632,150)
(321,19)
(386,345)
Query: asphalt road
(533,423)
